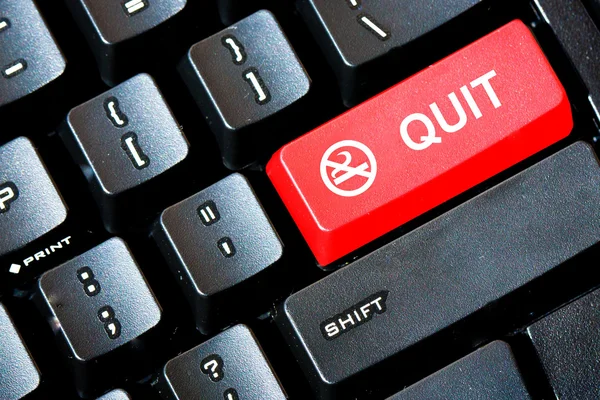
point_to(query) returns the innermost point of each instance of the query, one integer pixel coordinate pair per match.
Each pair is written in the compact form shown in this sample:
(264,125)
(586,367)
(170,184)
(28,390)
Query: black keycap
(30,204)
(97,303)
(428,280)
(568,344)
(231,11)
(29,56)
(216,242)
(117,394)
(360,38)
(19,375)
(230,366)
(112,27)
(579,37)
(490,373)
(241,78)
(122,139)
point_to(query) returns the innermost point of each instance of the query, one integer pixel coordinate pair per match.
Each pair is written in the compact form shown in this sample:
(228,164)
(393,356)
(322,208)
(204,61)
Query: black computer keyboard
(271,199)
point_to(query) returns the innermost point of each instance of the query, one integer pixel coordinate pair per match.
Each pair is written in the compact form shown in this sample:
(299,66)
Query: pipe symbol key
(212,366)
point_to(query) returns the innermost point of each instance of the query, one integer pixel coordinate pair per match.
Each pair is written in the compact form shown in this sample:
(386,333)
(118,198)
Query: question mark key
(230,366)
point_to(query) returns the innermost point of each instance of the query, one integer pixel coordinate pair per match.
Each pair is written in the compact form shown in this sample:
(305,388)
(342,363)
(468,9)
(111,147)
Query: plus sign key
(422,142)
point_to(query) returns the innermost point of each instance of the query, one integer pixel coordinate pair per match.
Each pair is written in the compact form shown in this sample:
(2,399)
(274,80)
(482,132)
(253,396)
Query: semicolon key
(422,142)
(100,302)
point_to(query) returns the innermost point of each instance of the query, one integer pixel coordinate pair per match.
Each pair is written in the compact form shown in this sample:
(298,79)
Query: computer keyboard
(299,199)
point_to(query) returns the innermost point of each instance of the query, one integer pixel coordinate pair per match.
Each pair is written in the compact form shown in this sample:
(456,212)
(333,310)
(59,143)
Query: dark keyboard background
(38,116)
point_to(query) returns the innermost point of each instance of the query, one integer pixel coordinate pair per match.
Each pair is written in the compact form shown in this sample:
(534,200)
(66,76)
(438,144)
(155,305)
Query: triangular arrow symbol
(14,269)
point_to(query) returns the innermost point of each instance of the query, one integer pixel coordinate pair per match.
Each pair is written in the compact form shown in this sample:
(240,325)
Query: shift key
(424,283)
(422,142)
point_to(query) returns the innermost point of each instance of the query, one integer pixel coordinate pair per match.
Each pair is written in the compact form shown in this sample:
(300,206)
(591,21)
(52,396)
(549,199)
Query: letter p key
(8,194)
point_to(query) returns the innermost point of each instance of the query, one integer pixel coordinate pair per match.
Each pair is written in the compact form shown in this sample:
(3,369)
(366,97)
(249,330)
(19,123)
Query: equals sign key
(132,7)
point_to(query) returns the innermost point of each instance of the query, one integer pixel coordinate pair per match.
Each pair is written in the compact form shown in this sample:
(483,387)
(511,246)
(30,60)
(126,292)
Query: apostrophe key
(243,78)
(567,344)
(419,144)
(488,373)
(98,303)
(20,375)
(230,366)
(123,139)
(421,285)
(112,27)
(216,243)
(360,38)
(30,204)
(29,56)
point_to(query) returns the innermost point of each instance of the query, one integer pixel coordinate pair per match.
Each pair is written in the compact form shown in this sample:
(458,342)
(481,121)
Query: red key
(422,142)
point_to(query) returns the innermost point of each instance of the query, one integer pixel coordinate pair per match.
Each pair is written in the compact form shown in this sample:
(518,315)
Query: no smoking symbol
(334,173)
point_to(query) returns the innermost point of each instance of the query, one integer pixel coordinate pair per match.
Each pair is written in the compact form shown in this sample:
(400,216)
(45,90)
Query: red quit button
(422,142)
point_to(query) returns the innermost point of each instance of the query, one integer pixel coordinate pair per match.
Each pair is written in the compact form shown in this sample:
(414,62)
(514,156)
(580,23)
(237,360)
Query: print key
(424,141)
(123,139)
(217,243)
(99,303)
(252,75)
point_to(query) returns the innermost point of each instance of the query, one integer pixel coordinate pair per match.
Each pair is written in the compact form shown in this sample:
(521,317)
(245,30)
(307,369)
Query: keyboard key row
(425,282)
(100,301)
(419,144)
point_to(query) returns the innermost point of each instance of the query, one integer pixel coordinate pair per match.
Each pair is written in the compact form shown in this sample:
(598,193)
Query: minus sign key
(13,69)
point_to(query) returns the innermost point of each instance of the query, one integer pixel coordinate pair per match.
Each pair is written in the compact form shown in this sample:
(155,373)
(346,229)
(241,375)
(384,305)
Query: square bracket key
(29,55)
(217,241)
(123,139)
(241,78)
